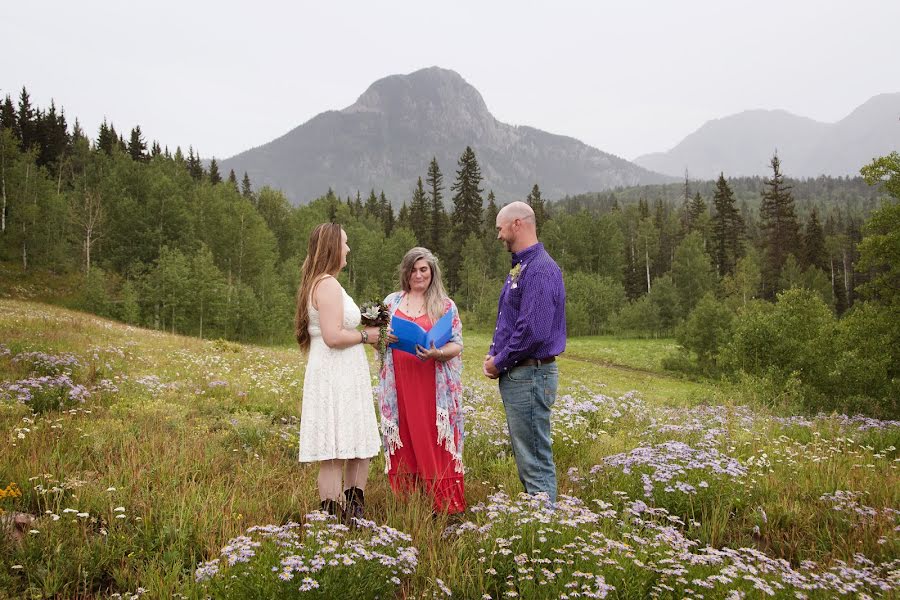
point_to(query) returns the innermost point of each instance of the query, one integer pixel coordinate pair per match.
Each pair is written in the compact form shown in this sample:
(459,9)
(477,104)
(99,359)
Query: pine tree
(8,115)
(371,207)
(52,136)
(467,202)
(358,209)
(780,227)
(814,253)
(419,217)
(232,179)
(214,177)
(435,182)
(155,149)
(402,216)
(386,212)
(26,127)
(727,229)
(106,138)
(536,203)
(490,215)
(137,147)
(467,215)
(695,212)
(246,190)
(194,166)
(686,204)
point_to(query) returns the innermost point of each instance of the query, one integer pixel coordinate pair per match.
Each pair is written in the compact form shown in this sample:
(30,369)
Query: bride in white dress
(337,421)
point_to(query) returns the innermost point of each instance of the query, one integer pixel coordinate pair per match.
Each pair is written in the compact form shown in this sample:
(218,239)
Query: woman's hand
(426,353)
(374,334)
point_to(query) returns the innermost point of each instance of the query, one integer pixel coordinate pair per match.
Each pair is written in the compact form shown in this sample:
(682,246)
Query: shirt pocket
(514,296)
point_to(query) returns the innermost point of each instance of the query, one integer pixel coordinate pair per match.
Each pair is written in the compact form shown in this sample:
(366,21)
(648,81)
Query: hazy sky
(628,77)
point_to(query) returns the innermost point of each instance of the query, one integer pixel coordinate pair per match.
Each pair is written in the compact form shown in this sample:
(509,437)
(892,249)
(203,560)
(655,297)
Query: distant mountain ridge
(742,144)
(386,139)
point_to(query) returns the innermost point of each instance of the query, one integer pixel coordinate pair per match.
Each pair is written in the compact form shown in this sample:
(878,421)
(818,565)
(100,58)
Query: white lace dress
(337,418)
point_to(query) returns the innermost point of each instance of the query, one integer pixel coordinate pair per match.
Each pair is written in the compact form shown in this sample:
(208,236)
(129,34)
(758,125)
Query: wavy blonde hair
(435,294)
(323,256)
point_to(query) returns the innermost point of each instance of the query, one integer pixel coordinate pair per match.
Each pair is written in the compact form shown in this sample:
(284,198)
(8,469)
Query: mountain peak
(426,91)
(743,143)
(385,140)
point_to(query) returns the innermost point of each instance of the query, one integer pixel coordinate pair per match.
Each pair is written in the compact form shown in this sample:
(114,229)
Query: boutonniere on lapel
(514,274)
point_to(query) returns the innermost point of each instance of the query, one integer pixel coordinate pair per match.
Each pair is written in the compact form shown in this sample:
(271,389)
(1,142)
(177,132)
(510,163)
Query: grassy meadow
(160,466)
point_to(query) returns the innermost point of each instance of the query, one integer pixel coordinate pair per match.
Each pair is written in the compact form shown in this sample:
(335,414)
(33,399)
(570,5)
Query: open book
(409,334)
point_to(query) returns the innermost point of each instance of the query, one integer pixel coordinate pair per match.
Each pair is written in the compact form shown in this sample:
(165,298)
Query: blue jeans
(528,394)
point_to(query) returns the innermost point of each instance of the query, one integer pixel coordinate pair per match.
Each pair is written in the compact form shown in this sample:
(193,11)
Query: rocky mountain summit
(386,139)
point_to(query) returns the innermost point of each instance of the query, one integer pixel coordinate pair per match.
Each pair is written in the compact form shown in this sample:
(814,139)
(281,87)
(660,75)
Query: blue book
(409,334)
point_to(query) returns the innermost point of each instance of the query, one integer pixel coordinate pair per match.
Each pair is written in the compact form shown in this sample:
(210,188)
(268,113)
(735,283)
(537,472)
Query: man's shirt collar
(527,253)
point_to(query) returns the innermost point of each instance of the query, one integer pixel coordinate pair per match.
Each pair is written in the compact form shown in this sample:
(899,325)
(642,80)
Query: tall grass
(181,448)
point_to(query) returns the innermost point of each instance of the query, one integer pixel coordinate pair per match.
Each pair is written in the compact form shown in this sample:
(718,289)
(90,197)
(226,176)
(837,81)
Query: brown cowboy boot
(356,501)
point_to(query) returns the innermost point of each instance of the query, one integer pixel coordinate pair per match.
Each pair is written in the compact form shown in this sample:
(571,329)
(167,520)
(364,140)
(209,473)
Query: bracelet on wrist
(364,336)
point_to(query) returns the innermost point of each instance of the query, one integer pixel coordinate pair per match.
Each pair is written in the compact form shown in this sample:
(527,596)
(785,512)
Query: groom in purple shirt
(530,334)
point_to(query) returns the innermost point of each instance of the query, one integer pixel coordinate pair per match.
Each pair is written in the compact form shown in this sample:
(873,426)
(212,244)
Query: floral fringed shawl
(448,395)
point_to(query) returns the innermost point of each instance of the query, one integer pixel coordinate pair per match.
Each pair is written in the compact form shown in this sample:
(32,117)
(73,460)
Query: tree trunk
(846,276)
(3,192)
(831,262)
(647,263)
(24,249)
(201,317)
(24,227)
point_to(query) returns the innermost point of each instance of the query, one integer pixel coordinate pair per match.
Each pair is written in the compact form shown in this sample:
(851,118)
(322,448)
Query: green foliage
(794,336)
(130,309)
(590,302)
(879,254)
(95,296)
(638,317)
(781,227)
(867,360)
(727,228)
(885,169)
(742,286)
(664,295)
(706,331)
(692,271)
(467,211)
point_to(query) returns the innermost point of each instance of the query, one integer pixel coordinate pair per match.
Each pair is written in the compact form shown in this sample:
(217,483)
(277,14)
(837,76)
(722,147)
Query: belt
(535,362)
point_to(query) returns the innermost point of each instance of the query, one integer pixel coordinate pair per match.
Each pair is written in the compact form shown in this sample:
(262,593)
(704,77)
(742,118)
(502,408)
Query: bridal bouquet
(376,314)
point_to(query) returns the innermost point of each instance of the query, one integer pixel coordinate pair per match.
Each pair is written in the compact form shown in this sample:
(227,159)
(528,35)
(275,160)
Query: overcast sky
(629,77)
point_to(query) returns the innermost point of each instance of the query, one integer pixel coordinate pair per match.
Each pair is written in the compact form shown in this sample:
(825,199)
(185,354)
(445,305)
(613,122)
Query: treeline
(163,242)
(848,195)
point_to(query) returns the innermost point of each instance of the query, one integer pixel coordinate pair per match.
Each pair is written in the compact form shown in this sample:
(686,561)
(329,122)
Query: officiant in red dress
(421,395)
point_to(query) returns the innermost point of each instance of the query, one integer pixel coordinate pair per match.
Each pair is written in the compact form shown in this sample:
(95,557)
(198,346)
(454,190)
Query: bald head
(516,210)
(516,226)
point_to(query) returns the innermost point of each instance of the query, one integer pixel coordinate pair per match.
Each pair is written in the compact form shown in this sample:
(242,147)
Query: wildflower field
(140,464)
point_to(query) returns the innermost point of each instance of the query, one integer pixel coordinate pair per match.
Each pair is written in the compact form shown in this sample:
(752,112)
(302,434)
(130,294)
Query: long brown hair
(435,294)
(323,256)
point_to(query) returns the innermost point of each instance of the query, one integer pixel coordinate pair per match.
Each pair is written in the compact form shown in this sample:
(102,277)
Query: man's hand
(490,371)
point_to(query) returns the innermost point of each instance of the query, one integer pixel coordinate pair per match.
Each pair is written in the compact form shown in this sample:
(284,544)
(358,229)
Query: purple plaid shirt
(531,316)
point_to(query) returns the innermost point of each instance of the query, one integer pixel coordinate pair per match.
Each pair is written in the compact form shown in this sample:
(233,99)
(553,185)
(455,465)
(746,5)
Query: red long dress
(421,460)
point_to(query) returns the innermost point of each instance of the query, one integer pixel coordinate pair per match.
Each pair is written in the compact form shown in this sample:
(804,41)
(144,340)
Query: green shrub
(590,301)
(707,329)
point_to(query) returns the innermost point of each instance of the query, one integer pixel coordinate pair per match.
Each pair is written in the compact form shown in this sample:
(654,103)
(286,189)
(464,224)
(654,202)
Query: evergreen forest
(792,285)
